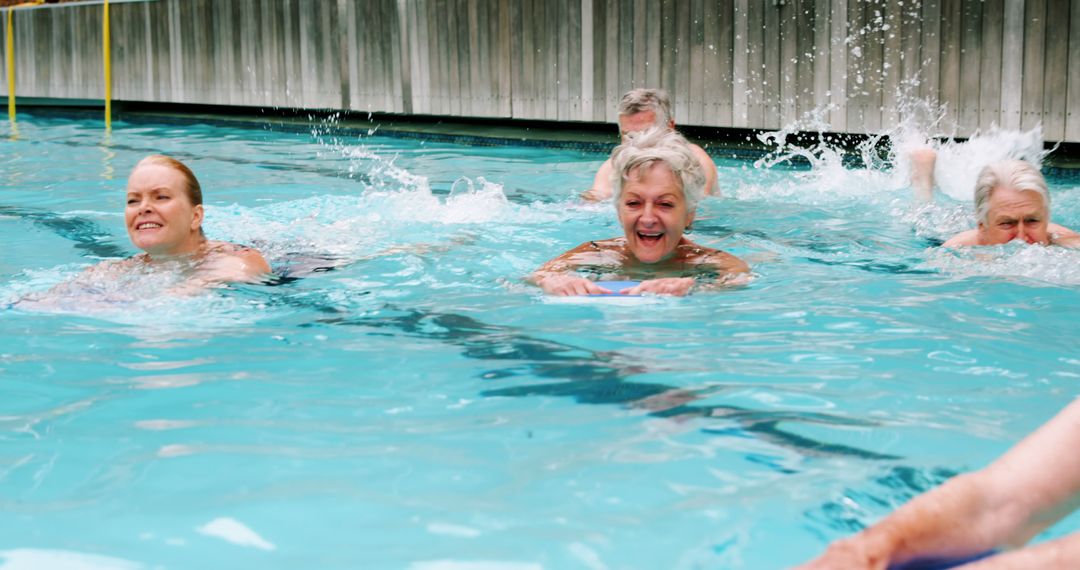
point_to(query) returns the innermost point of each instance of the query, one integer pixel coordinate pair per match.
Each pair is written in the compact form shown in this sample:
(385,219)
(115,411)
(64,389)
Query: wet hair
(642,100)
(658,145)
(191,184)
(1017,174)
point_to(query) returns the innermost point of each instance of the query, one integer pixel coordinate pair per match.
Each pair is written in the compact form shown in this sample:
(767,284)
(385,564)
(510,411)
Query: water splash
(1014,260)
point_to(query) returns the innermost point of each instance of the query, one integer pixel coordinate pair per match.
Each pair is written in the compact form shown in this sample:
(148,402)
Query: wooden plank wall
(727,63)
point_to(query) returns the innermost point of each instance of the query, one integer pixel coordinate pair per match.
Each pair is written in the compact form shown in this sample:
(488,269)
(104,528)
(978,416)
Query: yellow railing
(10,50)
(108,68)
(11,68)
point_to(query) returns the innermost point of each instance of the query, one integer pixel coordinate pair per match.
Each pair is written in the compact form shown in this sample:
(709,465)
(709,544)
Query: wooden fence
(727,63)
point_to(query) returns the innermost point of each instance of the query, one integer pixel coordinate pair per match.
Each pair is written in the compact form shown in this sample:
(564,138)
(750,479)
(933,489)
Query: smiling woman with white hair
(657,183)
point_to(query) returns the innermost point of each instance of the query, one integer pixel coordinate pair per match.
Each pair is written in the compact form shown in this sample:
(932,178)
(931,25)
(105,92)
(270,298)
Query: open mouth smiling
(147,226)
(650,238)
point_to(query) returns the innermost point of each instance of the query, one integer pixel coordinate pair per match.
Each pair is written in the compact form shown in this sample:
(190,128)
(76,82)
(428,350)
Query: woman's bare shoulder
(236,262)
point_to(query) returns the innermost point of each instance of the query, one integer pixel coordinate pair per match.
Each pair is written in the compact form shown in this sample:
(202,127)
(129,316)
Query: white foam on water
(235,532)
(958,163)
(885,172)
(1050,265)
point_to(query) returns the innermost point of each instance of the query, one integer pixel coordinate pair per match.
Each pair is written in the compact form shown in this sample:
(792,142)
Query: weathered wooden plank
(517,55)
(654,44)
(716,101)
(486,35)
(611,61)
(696,71)
(59,56)
(573,60)
(437,47)
(563,110)
(419,62)
(1055,70)
(668,45)
(548,20)
(310,56)
(930,82)
(504,64)
(245,35)
(990,65)
(220,88)
(1072,116)
(805,56)
(971,44)
(856,70)
(172,86)
(740,64)
(588,86)
(822,55)
(625,52)
(159,59)
(787,63)
(457,59)
(407,50)
(755,59)
(893,60)
(1034,64)
(469,39)
(771,74)
(352,37)
(951,37)
(837,91)
(1012,65)
(910,41)
(639,43)
(599,75)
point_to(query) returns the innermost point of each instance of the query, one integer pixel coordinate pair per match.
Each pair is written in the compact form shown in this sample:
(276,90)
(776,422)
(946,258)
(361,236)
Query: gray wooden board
(971,44)
(1034,61)
(1072,116)
(1055,70)
(1012,63)
(990,65)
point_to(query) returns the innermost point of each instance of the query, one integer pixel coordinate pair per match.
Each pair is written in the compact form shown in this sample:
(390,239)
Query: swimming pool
(420,407)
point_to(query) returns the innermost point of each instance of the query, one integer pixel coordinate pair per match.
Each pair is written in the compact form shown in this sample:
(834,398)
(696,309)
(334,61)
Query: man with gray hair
(641,109)
(1012,202)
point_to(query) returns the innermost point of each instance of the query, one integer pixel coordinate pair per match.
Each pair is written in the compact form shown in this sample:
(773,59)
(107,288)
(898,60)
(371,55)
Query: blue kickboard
(615,287)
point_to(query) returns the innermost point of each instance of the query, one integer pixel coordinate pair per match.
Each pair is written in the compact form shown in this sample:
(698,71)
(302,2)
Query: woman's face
(160,217)
(653,213)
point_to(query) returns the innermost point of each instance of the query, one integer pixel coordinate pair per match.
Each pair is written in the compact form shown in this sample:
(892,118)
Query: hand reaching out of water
(567,284)
(678,286)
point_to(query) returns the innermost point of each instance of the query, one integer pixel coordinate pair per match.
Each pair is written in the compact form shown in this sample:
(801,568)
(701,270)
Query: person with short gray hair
(655,146)
(642,109)
(657,182)
(1012,202)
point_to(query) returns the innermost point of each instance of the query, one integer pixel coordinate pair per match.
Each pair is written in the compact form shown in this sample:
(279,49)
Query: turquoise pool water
(420,407)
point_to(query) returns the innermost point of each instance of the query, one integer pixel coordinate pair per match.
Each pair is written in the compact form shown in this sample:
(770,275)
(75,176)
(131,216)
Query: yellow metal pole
(11,67)
(108,68)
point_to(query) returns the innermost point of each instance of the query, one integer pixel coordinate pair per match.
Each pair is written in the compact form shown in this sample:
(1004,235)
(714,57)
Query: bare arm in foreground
(1033,485)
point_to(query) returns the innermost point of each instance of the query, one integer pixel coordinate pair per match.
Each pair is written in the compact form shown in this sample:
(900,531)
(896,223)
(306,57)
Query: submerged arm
(1029,488)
